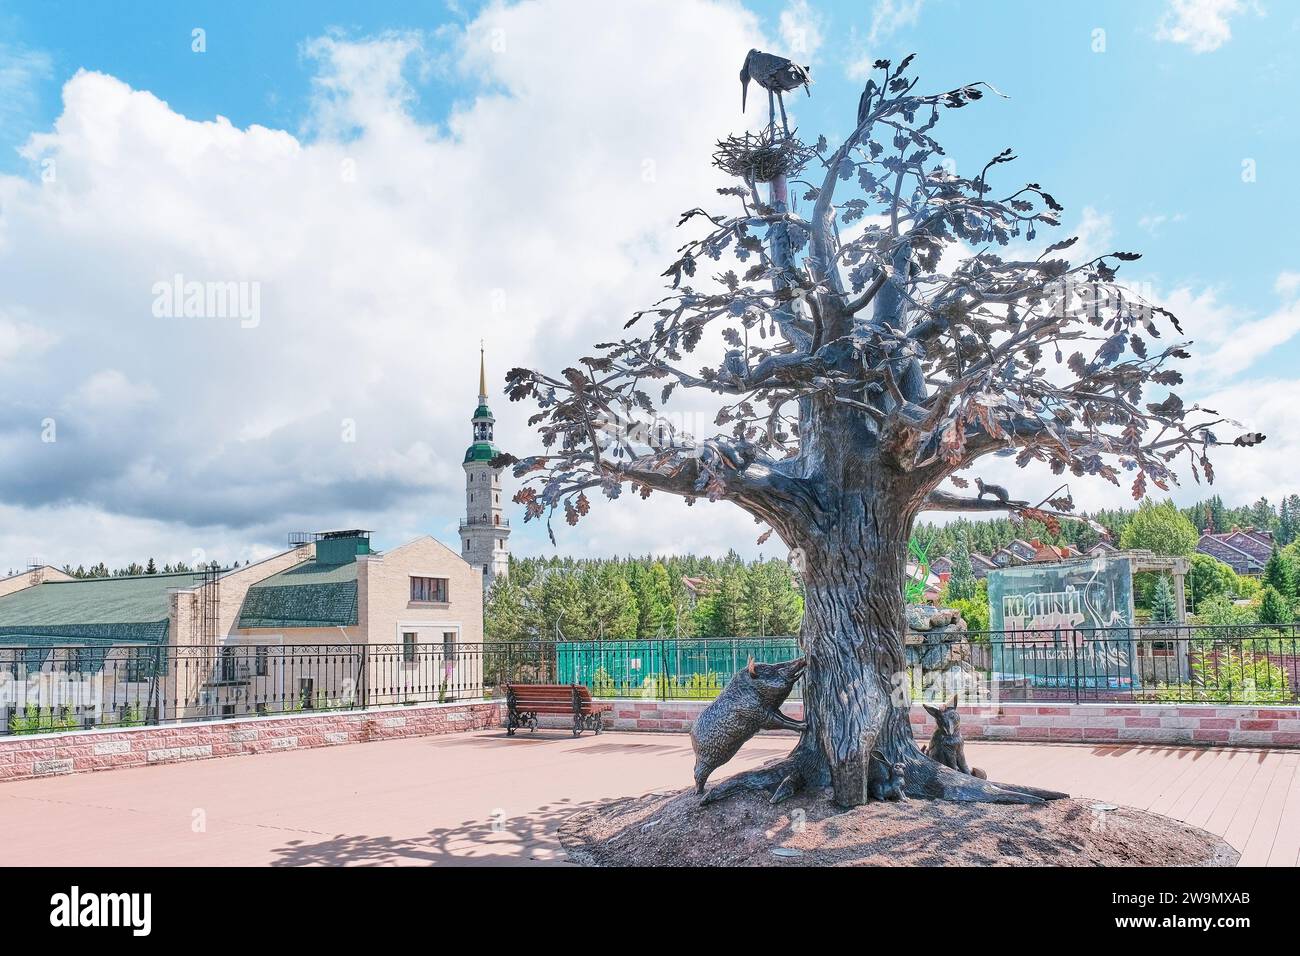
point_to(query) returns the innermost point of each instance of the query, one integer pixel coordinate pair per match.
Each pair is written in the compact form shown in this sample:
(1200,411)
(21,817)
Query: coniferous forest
(645,597)
(690,596)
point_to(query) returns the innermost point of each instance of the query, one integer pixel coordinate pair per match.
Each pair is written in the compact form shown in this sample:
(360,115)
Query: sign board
(1066,624)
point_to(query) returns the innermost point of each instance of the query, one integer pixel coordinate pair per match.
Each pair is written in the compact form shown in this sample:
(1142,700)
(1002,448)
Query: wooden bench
(525,701)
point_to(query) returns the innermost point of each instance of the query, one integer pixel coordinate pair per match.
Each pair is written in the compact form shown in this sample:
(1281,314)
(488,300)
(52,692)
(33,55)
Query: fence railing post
(363,676)
(1076,649)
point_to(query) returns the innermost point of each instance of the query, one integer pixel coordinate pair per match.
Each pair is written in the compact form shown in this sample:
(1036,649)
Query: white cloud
(890,16)
(1287,284)
(1227,342)
(1154,223)
(887,18)
(1267,406)
(538,215)
(1202,25)
(23,340)
(21,70)
(1228,339)
(801,30)
(110,390)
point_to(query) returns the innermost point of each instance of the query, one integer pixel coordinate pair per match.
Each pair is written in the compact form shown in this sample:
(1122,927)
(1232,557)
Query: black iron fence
(1158,663)
(67,688)
(46,689)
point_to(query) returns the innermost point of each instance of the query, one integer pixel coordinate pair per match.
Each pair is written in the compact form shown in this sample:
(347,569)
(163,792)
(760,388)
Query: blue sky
(1141,130)
(1147,128)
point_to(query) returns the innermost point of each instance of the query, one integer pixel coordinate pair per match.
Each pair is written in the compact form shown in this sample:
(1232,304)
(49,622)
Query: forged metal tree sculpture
(877,346)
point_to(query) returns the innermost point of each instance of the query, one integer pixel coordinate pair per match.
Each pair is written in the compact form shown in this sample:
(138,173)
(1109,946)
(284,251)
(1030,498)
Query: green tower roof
(482,412)
(481,451)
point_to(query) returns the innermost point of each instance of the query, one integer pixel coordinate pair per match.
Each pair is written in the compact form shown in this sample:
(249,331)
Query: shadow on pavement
(527,840)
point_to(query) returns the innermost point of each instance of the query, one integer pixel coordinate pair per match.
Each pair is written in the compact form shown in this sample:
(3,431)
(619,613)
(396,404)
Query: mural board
(1066,624)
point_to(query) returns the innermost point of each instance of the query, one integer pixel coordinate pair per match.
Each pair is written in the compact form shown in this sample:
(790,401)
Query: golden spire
(482,375)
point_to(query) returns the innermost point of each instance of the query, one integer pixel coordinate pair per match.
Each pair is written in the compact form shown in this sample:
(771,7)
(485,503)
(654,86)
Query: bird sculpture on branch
(777,75)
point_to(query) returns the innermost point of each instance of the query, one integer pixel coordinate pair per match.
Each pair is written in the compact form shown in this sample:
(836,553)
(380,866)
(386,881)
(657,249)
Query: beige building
(37,574)
(327,623)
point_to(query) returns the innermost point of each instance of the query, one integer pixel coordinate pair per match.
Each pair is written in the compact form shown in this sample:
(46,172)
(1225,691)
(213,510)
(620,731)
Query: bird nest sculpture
(761,157)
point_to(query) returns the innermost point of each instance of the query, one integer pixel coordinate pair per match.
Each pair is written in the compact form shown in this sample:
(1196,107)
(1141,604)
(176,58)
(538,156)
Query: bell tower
(485,531)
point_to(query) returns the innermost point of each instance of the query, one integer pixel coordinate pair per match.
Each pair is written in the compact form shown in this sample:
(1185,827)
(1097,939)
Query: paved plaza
(483,798)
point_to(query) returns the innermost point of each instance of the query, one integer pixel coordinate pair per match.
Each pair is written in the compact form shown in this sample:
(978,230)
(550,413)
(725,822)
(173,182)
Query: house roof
(1051,552)
(1250,541)
(1208,541)
(306,595)
(92,610)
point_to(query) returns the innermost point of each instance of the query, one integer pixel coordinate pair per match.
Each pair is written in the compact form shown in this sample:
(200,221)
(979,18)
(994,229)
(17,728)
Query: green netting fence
(665,669)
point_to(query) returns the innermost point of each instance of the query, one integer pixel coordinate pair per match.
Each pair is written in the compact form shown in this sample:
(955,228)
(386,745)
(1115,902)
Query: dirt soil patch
(672,829)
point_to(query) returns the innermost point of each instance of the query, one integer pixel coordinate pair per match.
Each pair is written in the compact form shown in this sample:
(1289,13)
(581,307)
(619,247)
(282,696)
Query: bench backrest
(557,691)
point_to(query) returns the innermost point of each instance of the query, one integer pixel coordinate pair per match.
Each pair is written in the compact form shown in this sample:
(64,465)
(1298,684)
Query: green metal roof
(92,610)
(307,595)
(483,412)
(481,451)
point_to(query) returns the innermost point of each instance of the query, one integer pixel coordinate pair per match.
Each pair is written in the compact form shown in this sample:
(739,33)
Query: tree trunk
(856,688)
(853,638)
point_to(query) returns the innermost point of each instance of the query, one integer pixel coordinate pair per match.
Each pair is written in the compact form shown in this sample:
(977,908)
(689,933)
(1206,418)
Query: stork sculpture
(775,74)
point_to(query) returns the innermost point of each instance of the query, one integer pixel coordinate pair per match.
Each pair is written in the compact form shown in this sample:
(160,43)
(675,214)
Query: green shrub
(975,612)
(695,687)
(1221,611)
(602,684)
(35,720)
(1232,675)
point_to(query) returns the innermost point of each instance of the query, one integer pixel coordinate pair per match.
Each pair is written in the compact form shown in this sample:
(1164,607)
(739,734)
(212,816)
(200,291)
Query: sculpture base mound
(674,830)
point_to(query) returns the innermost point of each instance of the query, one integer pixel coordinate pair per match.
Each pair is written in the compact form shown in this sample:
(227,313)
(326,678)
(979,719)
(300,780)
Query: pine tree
(719,615)
(563,613)
(151,568)
(1285,532)
(611,606)
(1262,515)
(961,583)
(654,603)
(1277,575)
(1163,608)
(770,605)
(1274,608)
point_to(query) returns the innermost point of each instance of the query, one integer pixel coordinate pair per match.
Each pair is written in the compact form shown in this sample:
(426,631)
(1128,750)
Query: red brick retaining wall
(1265,726)
(39,755)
